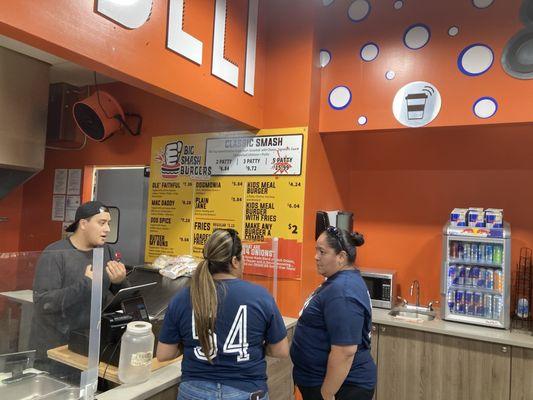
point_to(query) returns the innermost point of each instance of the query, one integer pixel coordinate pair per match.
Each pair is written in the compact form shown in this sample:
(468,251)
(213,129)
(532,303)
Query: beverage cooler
(476,275)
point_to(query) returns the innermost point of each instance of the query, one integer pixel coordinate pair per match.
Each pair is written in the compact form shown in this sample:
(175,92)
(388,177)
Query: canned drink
(453,250)
(481,278)
(451,300)
(468,276)
(460,301)
(474,256)
(452,275)
(469,302)
(460,250)
(481,253)
(479,310)
(474,271)
(497,255)
(460,275)
(488,253)
(487,303)
(489,279)
(467,251)
(497,306)
(498,280)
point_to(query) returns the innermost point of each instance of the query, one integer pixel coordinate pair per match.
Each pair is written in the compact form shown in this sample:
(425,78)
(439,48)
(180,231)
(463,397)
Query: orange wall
(11,208)
(160,117)
(72,30)
(403,184)
(436,63)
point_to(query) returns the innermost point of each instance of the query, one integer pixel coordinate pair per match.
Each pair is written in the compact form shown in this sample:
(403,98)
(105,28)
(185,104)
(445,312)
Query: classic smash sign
(135,13)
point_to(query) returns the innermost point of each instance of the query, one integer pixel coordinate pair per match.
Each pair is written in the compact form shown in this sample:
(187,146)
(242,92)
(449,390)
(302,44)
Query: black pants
(346,392)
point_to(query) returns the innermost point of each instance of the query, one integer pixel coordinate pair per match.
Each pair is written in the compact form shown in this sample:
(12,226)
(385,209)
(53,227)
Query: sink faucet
(417,285)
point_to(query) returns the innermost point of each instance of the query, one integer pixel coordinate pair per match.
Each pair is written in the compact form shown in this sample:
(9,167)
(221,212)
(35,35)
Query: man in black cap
(63,278)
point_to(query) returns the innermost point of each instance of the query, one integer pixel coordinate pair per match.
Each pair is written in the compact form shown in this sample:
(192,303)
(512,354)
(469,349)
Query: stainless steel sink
(70,393)
(420,313)
(32,388)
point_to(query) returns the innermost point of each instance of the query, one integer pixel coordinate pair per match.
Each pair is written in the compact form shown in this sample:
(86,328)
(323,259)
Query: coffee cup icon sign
(416,103)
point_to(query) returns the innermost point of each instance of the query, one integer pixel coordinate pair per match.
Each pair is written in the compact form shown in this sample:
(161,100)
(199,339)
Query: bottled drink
(136,348)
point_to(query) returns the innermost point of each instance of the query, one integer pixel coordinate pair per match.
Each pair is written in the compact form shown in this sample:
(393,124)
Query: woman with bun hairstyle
(331,345)
(225,325)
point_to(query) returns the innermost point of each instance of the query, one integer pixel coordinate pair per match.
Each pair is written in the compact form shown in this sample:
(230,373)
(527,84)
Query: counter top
(159,380)
(467,331)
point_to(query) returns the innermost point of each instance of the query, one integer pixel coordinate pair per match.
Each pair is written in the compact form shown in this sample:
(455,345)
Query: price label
(293,205)
(293,229)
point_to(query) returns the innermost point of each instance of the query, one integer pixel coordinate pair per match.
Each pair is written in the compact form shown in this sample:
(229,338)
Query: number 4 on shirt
(236,341)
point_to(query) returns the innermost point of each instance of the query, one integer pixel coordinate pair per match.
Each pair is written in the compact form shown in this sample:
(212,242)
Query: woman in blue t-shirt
(225,325)
(331,345)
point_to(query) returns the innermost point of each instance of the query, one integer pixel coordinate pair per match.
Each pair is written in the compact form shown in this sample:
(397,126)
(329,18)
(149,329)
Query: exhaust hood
(24,83)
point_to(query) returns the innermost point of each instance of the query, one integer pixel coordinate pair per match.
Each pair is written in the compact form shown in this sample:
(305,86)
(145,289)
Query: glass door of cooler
(476,278)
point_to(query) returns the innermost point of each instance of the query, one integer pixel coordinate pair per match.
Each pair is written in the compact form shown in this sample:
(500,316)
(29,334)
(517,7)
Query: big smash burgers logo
(178,159)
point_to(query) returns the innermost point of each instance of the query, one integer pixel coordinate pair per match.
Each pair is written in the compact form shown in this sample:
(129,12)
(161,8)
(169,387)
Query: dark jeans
(346,392)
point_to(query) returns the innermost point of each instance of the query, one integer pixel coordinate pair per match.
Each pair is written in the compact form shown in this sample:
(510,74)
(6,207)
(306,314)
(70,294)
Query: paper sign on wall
(252,182)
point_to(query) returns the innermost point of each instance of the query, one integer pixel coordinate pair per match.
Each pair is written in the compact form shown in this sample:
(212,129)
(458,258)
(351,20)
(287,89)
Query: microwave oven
(380,284)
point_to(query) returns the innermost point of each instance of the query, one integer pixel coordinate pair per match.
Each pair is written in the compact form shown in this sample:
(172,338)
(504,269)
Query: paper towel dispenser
(338,218)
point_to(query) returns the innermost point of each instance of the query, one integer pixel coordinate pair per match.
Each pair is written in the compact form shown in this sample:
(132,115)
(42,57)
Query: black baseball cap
(87,210)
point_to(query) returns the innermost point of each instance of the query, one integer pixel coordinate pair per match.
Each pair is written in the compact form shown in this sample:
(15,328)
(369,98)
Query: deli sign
(134,13)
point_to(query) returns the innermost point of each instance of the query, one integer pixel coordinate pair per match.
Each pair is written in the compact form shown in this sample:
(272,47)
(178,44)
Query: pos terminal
(126,306)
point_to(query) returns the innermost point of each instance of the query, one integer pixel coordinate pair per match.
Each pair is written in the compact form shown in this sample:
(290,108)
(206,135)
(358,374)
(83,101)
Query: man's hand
(327,396)
(116,271)
(89,271)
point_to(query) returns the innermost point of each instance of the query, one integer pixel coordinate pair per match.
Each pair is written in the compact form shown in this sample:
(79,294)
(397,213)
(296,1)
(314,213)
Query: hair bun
(358,239)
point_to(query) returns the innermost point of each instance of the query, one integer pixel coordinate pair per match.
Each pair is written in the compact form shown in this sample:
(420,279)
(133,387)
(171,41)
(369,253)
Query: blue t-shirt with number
(247,319)
(337,313)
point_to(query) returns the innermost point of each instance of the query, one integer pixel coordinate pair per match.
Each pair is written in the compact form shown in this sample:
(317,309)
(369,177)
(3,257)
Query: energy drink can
(489,278)
(488,253)
(481,278)
(481,253)
(460,301)
(460,275)
(498,280)
(452,275)
(487,303)
(469,302)
(468,276)
(467,251)
(479,310)
(460,250)
(497,255)
(474,256)
(497,306)
(451,300)
(453,250)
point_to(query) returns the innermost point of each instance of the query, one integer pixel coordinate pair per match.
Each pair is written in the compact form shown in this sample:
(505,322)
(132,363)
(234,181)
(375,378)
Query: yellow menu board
(249,181)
